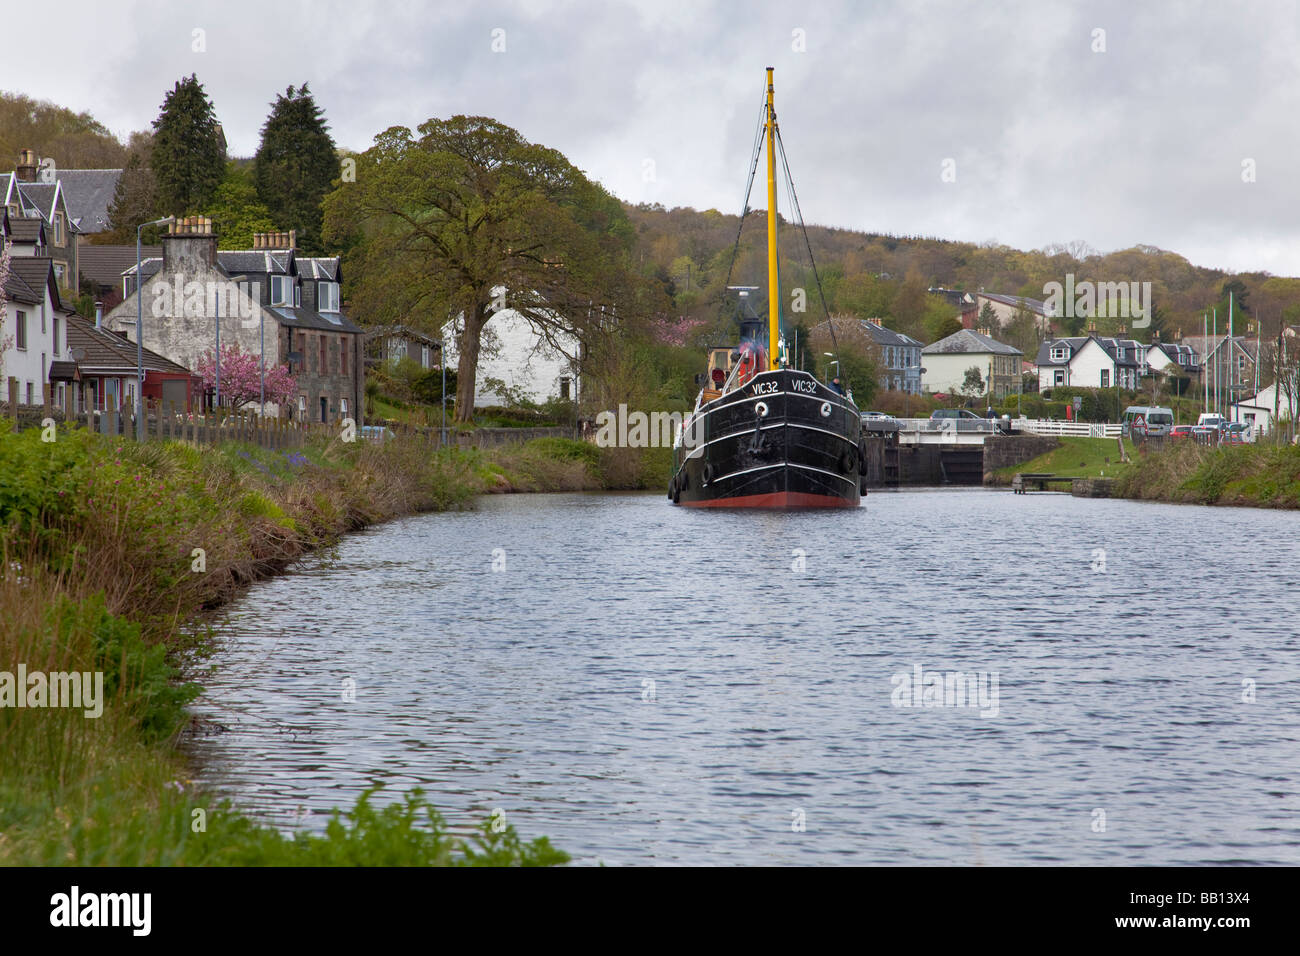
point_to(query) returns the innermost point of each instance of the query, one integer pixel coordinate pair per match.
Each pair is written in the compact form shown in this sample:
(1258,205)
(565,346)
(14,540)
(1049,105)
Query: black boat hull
(784,440)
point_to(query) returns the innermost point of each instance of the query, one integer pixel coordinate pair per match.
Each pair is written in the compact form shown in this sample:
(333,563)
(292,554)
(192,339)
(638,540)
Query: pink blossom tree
(241,378)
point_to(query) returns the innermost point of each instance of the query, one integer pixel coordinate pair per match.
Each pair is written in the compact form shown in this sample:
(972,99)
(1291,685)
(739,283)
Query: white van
(1212,420)
(1147,421)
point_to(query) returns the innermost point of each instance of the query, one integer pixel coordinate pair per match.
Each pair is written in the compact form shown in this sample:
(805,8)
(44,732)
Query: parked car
(1147,421)
(1205,434)
(939,413)
(377,433)
(1181,431)
(1235,433)
(1212,419)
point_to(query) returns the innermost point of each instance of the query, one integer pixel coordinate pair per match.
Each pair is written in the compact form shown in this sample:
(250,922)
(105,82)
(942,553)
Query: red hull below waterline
(774,499)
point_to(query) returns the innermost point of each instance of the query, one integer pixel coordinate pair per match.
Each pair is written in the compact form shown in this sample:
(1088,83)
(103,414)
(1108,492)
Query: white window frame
(1060,353)
(20,331)
(280,297)
(332,290)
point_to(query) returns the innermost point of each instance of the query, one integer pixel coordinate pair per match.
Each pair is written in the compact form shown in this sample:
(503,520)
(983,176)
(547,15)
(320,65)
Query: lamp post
(139,331)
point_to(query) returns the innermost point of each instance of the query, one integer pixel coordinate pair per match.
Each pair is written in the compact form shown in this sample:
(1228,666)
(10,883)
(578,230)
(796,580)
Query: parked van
(1147,421)
(1212,419)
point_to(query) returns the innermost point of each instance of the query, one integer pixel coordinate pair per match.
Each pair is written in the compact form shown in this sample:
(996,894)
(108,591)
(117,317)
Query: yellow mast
(773,286)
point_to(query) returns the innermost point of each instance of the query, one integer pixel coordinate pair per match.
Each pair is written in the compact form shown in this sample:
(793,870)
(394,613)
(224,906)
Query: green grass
(1076,458)
(98,574)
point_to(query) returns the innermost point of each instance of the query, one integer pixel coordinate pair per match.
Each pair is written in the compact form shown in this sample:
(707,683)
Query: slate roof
(1173,351)
(40,196)
(37,272)
(102,350)
(969,341)
(17,289)
(1110,346)
(88,193)
(27,230)
(301,318)
(883,336)
(326,268)
(1034,305)
(105,265)
(270,261)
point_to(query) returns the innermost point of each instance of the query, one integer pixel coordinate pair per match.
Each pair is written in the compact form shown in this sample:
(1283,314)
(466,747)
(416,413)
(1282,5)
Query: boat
(763,434)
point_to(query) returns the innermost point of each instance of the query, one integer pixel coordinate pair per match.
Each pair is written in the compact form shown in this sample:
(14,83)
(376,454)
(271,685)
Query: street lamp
(139,331)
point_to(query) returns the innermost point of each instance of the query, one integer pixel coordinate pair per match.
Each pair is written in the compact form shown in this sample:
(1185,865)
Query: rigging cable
(749,186)
(821,293)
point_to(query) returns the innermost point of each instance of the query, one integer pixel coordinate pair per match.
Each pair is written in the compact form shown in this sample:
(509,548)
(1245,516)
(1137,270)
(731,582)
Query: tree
(295,165)
(973,384)
(241,378)
(188,158)
(135,198)
(988,318)
(909,306)
(73,140)
(470,217)
(236,211)
(1022,330)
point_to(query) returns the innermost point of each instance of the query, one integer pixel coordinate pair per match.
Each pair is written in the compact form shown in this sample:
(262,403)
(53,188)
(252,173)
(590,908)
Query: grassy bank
(1262,476)
(109,553)
(1076,457)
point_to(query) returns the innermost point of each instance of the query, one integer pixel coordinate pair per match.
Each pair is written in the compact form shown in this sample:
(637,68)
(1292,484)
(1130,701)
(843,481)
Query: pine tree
(189,152)
(296,165)
(135,200)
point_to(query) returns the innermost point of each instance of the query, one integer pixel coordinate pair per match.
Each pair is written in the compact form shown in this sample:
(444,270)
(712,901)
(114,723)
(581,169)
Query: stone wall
(1001,451)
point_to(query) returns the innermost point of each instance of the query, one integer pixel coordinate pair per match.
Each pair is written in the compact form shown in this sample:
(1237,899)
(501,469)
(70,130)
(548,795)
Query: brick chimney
(190,245)
(276,240)
(26,168)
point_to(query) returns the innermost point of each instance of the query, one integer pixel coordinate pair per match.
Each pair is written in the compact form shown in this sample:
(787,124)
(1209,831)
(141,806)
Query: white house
(33,333)
(1257,411)
(947,361)
(1160,356)
(1090,361)
(516,355)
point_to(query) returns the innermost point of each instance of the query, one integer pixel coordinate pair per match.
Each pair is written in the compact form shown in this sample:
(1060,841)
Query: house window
(1105,378)
(20,335)
(281,290)
(424,356)
(1058,378)
(56,335)
(302,407)
(1060,353)
(297,295)
(327,295)
(59,239)
(343,407)
(564,387)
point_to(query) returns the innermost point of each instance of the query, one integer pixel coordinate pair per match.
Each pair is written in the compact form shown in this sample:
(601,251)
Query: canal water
(650,685)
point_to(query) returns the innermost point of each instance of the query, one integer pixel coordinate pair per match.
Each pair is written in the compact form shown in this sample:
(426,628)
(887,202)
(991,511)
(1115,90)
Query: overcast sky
(1056,131)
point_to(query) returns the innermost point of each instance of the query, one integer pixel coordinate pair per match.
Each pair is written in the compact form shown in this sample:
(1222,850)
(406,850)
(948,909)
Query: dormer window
(1060,353)
(281,290)
(327,295)
(59,239)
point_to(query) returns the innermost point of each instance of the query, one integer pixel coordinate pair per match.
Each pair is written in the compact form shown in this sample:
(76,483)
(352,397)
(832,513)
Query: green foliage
(188,158)
(436,223)
(74,140)
(135,198)
(236,210)
(296,165)
(137,674)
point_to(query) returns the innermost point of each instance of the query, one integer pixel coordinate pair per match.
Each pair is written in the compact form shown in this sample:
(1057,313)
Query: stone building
(268,300)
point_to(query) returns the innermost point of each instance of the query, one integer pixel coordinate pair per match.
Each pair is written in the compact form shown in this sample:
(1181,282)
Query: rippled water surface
(646,684)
